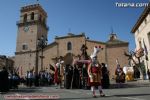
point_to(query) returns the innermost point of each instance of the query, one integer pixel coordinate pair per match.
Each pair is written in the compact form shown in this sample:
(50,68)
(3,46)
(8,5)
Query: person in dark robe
(4,80)
(84,76)
(105,75)
(10,77)
(27,79)
(68,76)
(80,78)
(36,80)
(136,72)
(75,79)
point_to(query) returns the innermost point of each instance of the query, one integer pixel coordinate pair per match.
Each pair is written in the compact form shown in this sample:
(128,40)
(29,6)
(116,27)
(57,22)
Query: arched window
(32,16)
(69,46)
(25,18)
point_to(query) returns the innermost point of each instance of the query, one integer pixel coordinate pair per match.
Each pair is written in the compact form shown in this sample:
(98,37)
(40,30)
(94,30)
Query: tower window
(69,46)
(25,18)
(32,16)
(24,47)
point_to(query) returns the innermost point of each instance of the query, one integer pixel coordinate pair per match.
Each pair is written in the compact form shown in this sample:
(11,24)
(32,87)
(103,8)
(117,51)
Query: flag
(117,62)
(51,67)
(145,50)
(16,70)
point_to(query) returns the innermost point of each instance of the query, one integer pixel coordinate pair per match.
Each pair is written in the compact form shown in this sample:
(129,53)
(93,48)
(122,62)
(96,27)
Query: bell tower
(31,26)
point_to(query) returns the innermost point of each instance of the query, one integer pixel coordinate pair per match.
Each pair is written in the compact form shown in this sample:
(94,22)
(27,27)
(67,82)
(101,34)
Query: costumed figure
(59,71)
(94,72)
(120,76)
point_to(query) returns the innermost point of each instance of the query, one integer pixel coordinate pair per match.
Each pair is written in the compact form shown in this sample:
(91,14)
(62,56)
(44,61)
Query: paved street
(139,91)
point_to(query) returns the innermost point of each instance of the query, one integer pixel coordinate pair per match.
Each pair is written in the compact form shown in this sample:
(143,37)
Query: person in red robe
(59,71)
(95,73)
(56,76)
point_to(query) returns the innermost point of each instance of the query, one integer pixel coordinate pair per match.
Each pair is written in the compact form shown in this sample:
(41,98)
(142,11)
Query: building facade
(32,26)
(141,32)
(6,62)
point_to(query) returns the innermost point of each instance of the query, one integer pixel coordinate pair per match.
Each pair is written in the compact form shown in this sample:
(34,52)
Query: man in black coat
(75,78)
(4,82)
(105,75)
(68,76)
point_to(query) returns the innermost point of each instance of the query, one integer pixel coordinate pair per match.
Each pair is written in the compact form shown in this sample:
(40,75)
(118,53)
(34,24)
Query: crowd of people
(76,77)
(82,74)
(11,79)
(43,78)
(4,82)
(8,80)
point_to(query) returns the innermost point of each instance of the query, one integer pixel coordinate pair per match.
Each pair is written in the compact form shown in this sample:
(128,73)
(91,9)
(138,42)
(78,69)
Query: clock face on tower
(26,28)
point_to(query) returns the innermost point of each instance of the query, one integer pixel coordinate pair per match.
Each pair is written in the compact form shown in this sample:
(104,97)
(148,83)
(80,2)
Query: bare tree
(138,56)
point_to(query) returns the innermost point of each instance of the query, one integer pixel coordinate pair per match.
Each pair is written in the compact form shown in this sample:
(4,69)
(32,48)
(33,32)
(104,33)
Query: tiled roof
(70,36)
(115,42)
(95,41)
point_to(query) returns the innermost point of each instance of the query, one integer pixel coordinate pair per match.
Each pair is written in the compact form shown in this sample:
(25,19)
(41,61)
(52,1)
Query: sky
(96,18)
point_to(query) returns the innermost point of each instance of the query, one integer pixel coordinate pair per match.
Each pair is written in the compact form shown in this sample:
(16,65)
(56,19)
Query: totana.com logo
(129,4)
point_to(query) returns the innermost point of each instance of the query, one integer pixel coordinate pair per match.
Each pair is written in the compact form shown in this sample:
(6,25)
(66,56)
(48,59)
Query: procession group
(85,73)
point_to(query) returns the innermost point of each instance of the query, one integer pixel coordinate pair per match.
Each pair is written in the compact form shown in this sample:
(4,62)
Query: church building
(33,52)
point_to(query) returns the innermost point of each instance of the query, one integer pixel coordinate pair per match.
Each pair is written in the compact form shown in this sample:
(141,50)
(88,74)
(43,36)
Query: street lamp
(42,43)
